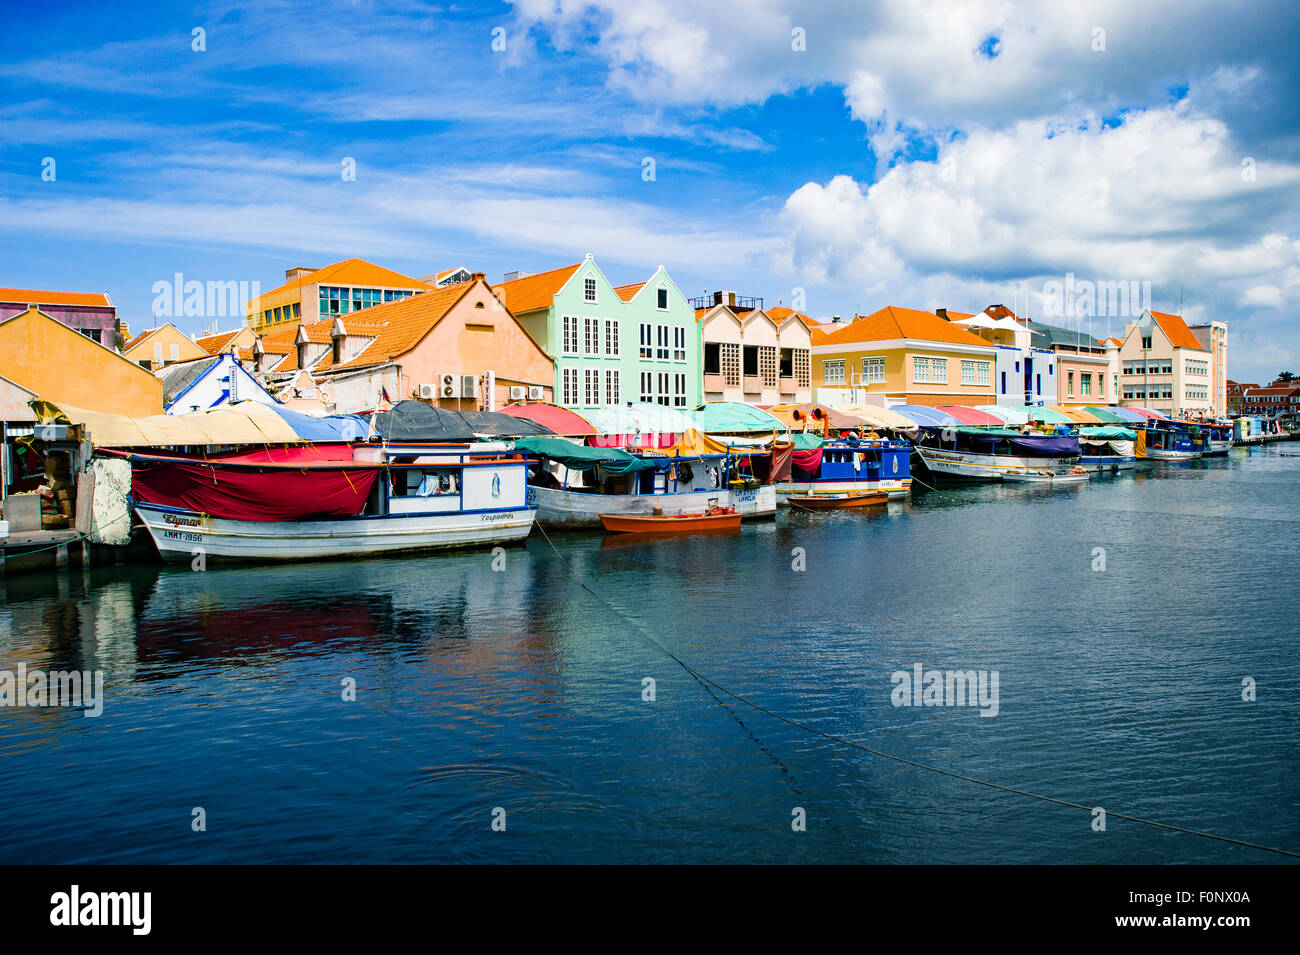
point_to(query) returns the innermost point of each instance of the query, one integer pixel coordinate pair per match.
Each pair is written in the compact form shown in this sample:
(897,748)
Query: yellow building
(902,356)
(311,295)
(47,358)
(154,348)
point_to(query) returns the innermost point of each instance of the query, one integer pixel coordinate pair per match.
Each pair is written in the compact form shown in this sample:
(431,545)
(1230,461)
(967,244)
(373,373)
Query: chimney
(516,274)
(835,319)
(724,298)
(942,313)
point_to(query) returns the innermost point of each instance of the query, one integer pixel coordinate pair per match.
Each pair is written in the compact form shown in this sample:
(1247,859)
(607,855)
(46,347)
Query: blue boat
(847,466)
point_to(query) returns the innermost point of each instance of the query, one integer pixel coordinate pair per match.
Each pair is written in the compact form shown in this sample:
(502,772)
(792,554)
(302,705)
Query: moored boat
(1108,449)
(1076,475)
(971,453)
(718,519)
(298,507)
(820,502)
(847,466)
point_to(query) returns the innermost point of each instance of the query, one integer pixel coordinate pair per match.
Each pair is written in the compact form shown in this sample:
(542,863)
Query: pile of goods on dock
(57,493)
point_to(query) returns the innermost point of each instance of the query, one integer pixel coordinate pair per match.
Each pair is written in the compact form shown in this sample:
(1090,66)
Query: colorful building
(1281,399)
(1213,337)
(455,347)
(155,348)
(611,346)
(48,358)
(1083,364)
(312,295)
(208,382)
(902,356)
(752,355)
(91,313)
(1163,366)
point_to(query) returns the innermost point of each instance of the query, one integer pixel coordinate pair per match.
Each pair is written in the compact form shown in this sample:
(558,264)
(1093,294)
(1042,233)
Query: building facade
(1164,367)
(752,355)
(902,356)
(155,348)
(610,345)
(91,313)
(311,295)
(1213,337)
(1281,399)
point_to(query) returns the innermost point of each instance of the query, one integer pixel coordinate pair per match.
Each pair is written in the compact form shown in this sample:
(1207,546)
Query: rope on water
(708,682)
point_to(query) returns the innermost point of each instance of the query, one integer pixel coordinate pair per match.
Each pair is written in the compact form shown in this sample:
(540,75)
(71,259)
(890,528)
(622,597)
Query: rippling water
(519,689)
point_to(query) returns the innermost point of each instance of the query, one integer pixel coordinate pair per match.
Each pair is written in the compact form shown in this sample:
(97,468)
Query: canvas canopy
(812,416)
(640,418)
(1047,415)
(559,420)
(733,417)
(414,421)
(580,457)
(878,417)
(1129,415)
(968,415)
(927,417)
(1042,445)
(248,422)
(324,428)
(1078,415)
(1110,415)
(1012,416)
(806,441)
(1107,434)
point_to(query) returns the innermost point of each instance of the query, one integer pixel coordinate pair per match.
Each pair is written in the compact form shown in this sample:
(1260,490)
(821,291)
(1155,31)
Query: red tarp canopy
(560,420)
(250,492)
(971,416)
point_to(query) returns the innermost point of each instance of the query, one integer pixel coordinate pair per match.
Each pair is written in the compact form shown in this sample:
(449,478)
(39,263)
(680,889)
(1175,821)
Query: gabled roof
(781,315)
(352,272)
(214,344)
(534,291)
(405,323)
(141,338)
(1176,330)
(29,296)
(179,375)
(628,292)
(893,322)
(1047,336)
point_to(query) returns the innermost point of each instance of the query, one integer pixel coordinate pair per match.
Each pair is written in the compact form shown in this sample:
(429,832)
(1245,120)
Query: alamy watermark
(82,689)
(194,299)
(1081,298)
(922,687)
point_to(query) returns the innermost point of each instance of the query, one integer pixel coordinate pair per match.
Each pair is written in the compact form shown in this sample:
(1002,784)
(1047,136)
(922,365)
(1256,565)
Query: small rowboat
(1073,476)
(819,502)
(720,520)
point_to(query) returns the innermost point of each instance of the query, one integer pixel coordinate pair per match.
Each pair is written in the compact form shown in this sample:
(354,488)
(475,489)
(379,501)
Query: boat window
(416,482)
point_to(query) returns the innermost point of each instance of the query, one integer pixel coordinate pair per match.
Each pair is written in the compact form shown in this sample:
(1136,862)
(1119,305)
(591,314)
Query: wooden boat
(246,508)
(820,502)
(1075,475)
(722,519)
(971,453)
(853,467)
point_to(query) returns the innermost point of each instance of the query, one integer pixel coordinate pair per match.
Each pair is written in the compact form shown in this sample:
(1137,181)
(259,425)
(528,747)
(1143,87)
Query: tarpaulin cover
(696,442)
(251,493)
(1110,415)
(1012,416)
(414,421)
(1040,445)
(638,418)
(580,457)
(733,417)
(559,420)
(1078,415)
(1129,415)
(927,417)
(967,415)
(1107,434)
(335,427)
(813,416)
(1150,415)
(782,462)
(247,422)
(878,417)
(1036,413)
(807,461)
(806,442)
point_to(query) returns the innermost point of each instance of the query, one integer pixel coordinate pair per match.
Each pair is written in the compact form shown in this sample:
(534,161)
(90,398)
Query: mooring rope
(708,682)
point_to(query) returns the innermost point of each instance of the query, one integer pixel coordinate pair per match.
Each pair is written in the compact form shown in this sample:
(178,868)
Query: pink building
(91,313)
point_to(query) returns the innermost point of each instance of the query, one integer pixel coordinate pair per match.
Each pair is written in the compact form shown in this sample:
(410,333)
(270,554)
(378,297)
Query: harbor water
(504,712)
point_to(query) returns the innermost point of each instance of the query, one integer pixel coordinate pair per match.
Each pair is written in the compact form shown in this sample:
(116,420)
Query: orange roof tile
(213,344)
(781,313)
(352,272)
(627,292)
(534,291)
(141,338)
(405,323)
(892,322)
(1176,330)
(28,296)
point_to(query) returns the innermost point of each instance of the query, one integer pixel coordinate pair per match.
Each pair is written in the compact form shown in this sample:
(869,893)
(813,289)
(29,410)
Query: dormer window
(589,290)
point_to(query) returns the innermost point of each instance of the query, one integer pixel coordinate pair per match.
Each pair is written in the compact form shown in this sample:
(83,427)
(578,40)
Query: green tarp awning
(807,441)
(579,457)
(1108,433)
(732,417)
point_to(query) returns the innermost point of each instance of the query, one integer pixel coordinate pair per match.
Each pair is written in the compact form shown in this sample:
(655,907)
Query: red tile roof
(892,323)
(627,292)
(28,296)
(214,344)
(1176,330)
(534,291)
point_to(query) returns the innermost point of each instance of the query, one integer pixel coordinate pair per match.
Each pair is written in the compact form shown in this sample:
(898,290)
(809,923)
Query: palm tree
(1286,376)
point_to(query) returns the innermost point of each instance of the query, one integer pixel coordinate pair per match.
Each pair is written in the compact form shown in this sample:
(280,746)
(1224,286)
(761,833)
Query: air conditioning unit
(469,386)
(449,386)
(428,392)
(518,392)
(536,393)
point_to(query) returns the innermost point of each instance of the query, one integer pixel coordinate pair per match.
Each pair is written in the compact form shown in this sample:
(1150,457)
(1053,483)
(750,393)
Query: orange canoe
(669,523)
(827,501)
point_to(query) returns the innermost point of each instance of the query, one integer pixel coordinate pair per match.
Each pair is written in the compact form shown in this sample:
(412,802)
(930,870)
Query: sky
(837,156)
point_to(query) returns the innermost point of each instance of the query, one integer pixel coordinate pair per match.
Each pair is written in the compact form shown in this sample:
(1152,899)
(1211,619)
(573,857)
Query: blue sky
(952,155)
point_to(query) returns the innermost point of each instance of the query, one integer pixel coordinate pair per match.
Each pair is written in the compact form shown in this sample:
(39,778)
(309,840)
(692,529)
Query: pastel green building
(611,345)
